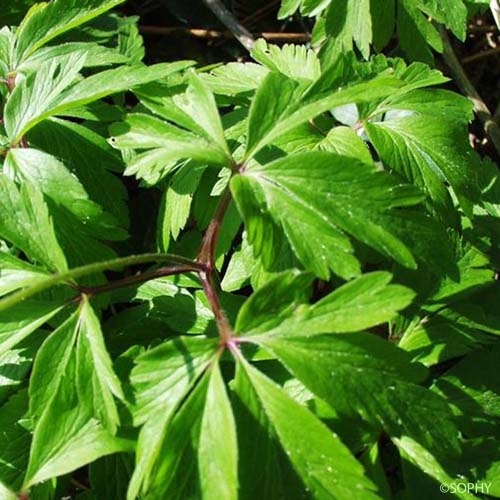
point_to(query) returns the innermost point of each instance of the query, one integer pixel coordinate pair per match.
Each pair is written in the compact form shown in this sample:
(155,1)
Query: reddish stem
(206,257)
(225,331)
(139,278)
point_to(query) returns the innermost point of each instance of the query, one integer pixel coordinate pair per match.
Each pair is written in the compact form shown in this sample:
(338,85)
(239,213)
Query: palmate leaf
(34,99)
(72,391)
(69,435)
(281,104)
(323,463)
(164,145)
(335,196)
(360,373)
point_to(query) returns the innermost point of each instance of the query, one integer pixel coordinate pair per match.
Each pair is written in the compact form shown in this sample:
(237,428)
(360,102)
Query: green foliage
(327,323)
(370,24)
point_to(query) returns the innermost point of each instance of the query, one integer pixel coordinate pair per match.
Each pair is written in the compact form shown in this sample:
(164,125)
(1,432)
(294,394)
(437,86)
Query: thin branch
(489,28)
(481,55)
(231,23)
(465,85)
(70,276)
(135,280)
(210,289)
(222,35)
(206,258)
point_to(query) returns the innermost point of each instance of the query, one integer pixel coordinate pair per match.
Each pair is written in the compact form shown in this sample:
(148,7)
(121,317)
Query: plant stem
(210,289)
(206,255)
(97,267)
(134,280)
(206,258)
(222,35)
(227,19)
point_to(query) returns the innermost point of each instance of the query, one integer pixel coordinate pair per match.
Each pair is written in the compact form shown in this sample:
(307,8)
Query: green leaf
(91,345)
(324,464)
(164,374)
(473,392)
(176,204)
(274,302)
(87,155)
(361,373)
(233,78)
(424,460)
(120,467)
(323,193)
(33,100)
(199,103)
(50,365)
(39,92)
(47,21)
(267,471)
(175,473)
(217,452)
(280,105)
(429,153)
(455,330)
(161,380)
(68,435)
(7,494)
(49,175)
(20,321)
(16,364)
(288,7)
(15,273)
(348,22)
(345,142)
(360,304)
(416,31)
(31,230)
(163,145)
(95,56)
(14,441)
(294,61)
